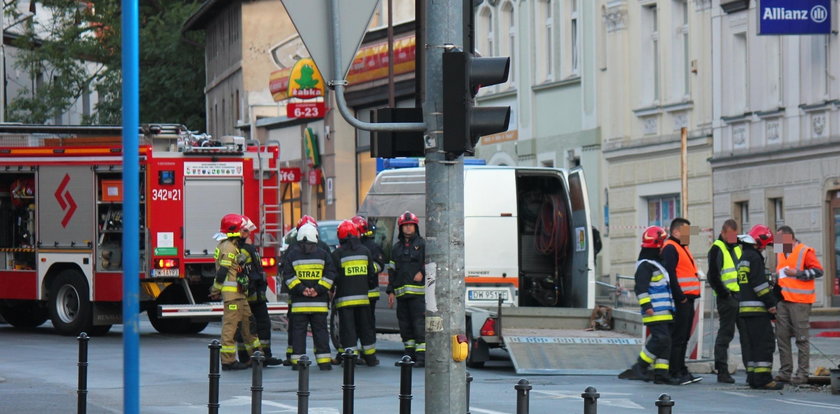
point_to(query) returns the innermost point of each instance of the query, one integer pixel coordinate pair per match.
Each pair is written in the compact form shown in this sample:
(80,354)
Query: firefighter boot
(327,366)
(420,359)
(371,360)
(235,365)
(661,376)
(269,359)
(638,372)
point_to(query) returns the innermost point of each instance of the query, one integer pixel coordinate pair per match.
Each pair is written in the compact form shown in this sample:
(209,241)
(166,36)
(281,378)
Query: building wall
(776,155)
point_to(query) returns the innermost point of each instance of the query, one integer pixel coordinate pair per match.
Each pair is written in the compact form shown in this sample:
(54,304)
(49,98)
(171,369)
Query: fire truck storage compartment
(109,217)
(17,220)
(206,200)
(544,233)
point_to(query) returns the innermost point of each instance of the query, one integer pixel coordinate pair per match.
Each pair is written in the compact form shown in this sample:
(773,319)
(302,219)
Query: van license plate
(164,272)
(487,294)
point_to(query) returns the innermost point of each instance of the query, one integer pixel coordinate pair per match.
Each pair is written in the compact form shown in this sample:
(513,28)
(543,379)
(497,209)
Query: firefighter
(292,242)
(797,267)
(407,286)
(309,274)
(260,321)
(354,266)
(231,285)
(654,293)
(378,258)
(723,277)
(685,287)
(756,303)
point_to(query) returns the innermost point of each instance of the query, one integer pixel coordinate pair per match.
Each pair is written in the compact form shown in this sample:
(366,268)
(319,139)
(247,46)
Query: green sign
(166,251)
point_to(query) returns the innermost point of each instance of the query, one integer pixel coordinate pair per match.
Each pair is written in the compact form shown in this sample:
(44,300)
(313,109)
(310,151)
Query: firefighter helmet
(654,237)
(347,229)
(249,225)
(307,233)
(759,235)
(306,219)
(362,225)
(21,190)
(232,224)
(408,218)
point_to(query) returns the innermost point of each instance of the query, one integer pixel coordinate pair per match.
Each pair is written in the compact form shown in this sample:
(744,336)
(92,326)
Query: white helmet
(307,232)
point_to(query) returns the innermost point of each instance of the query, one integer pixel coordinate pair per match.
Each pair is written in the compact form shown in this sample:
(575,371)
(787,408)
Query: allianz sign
(790,17)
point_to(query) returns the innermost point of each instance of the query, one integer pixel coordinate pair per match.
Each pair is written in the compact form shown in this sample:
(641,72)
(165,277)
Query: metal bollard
(213,404)
(405,365)
(349,360)
(522,394)
(83,366)
(303,384)
(469,380)
(590,400)
(664,403)
(256,382)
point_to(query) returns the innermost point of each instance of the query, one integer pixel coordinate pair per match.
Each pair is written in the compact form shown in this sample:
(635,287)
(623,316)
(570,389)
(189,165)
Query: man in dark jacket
(407,285)
(378,258)
(723,277)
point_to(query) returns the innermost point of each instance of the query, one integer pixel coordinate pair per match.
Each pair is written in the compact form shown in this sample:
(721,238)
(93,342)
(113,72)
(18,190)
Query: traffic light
(391,144)
(463,122)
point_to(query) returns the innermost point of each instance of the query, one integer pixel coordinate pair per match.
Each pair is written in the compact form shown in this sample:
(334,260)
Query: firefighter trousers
(411,311)
(728,316)
(261,325)
(298,325)
(761,344)
(354,325)
(373,312)
(657,350)
(237,315)
(683,320)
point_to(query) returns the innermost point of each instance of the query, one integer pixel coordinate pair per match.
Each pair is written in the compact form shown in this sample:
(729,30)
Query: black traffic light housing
(463,122)
(391,144)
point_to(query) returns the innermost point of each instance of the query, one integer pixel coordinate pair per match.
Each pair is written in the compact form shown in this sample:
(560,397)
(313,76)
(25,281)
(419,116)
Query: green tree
(78,50)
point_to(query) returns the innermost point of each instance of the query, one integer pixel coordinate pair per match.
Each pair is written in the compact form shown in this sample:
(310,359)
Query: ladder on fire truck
(269,231)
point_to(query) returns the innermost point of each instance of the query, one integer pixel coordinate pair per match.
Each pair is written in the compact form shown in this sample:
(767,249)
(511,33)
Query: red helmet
(408,218)
(347,229)
(249,225)
(361,224)
(232,224)
(761,235)
(654,237)
(306,219)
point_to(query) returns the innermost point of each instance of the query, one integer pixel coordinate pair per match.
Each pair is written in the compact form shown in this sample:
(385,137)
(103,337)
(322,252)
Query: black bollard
(405,365)
(664,403)
(349,360)
(83,366)
(469,380)
(256,382)
(590,400)
(213,404)
(303,384)
(522,394)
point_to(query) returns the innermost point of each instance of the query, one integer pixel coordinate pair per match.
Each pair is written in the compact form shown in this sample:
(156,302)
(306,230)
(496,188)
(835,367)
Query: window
(777,212)
(574,38)
(238,107)
(544,41)
(818,68)
(663,209)
(681,52)
(738,87)
(650,53)
(742,215)
(508,47)
(484,32)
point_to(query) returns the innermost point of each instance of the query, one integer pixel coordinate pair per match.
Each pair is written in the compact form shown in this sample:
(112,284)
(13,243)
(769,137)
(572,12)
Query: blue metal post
(131,205)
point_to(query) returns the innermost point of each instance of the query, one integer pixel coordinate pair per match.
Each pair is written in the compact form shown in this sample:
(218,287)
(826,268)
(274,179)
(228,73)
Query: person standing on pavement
(756,303)
(354,266)
(407,286)
(309,274)
(797,266)
(685,287)
(723,277)
(378,258)
(257,301)
(231,284)
(654,293)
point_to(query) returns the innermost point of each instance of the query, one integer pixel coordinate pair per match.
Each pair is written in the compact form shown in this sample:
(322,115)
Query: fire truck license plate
(164,272)
(487,294)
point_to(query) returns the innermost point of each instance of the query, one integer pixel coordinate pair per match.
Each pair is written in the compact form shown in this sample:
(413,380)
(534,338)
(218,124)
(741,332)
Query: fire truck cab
(61,223)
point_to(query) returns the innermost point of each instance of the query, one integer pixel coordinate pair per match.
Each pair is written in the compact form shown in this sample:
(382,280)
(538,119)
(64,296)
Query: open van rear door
(583,260)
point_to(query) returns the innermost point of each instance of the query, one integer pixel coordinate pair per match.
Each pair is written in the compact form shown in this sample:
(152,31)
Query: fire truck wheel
(70,308)
(23,315)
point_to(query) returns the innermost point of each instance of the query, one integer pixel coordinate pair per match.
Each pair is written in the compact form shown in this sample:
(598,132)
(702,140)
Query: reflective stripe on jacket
(658,295)
(728,272)
(793,289)
(686,270)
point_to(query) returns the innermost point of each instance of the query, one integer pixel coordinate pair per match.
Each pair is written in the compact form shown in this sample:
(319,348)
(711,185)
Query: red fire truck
(61,222)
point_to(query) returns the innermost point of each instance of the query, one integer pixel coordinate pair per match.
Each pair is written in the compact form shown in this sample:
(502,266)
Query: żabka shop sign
(794,17)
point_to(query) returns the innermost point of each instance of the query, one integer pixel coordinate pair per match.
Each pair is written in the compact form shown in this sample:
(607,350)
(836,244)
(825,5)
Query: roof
(202,17)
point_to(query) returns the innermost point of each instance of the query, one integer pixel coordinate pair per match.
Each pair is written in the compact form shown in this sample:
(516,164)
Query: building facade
(654,61)
(776,156)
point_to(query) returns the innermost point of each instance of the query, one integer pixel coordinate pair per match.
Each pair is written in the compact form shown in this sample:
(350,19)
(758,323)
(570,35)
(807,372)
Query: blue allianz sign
(794,17)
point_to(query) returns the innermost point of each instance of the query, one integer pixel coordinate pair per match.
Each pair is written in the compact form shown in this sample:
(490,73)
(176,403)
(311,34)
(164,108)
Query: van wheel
(335,337)
(69,305)
(24,315)
(173,295)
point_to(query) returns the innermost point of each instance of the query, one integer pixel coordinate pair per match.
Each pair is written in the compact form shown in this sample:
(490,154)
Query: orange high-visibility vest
(793,289)
(686,270)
